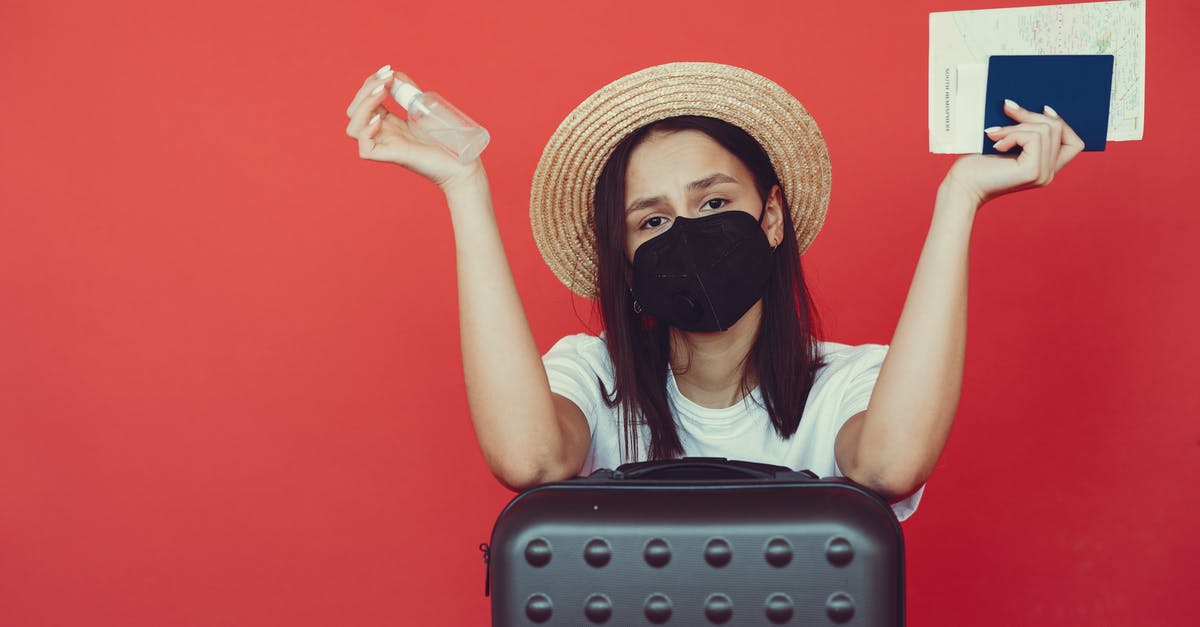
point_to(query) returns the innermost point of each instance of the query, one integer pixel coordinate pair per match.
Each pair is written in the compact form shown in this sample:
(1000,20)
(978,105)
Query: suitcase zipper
(487,568)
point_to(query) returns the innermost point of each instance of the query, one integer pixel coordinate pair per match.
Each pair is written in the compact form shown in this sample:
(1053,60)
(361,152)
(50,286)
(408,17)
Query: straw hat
(561,201)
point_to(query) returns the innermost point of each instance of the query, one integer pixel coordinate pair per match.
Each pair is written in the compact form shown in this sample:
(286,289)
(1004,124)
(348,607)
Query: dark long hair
(785,356)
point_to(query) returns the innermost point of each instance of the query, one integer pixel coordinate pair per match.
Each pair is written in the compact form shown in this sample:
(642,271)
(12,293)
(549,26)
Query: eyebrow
(697,185)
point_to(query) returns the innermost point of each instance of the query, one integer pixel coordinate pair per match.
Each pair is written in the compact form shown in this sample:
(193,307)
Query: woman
(682,197)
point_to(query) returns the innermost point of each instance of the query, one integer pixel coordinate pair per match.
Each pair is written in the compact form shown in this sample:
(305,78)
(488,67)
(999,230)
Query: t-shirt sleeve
(857,395)
(864,370)
(575,366)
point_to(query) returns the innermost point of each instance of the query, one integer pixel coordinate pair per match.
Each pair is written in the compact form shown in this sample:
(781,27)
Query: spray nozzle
(404,93)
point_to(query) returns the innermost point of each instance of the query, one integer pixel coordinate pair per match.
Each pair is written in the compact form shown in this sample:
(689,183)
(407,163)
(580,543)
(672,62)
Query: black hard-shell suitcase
(697,541)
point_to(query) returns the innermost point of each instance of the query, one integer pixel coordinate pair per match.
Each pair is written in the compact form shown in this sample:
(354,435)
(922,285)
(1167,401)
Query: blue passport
(1077,86)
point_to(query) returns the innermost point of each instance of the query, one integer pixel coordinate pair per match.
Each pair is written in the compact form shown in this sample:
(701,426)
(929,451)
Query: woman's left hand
(1047,145)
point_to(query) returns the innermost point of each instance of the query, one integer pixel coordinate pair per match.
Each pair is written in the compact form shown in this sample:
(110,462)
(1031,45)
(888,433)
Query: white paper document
(960,43)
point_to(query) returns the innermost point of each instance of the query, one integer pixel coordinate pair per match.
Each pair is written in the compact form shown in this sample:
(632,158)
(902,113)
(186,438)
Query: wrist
(469,180)
(954,193)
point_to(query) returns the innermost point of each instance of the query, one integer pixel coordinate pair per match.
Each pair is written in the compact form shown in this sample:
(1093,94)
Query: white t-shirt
(578,363)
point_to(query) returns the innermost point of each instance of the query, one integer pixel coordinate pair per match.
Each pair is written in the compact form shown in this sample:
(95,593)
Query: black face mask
(703,274)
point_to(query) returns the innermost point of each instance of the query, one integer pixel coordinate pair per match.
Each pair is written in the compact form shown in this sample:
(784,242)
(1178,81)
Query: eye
(653,222)
(709,205)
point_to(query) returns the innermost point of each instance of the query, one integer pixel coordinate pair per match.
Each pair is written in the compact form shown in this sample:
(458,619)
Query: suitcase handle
(702,469)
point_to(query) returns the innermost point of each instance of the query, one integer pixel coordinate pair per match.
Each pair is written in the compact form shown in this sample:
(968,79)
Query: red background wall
(230,387)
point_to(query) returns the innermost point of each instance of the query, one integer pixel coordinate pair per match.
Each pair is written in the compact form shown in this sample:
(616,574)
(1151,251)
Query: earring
(637,307)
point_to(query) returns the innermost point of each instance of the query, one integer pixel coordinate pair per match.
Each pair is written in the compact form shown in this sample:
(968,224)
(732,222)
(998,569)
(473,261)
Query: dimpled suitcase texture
(697,541)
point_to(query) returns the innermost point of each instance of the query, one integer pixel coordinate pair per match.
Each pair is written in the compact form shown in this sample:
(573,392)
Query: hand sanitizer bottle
(434,120)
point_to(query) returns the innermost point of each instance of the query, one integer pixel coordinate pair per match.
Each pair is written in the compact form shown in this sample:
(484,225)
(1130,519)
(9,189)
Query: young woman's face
(688,174)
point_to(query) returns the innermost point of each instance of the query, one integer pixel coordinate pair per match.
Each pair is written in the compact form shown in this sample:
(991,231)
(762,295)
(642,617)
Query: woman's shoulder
(836,355)
(583,349)
(581,358)
(579,343)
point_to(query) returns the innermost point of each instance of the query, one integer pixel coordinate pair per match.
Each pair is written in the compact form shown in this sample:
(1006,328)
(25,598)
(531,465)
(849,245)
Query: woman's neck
(709,367)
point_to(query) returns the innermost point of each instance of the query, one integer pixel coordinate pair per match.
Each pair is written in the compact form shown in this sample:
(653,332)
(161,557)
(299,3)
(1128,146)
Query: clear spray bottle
(434,120)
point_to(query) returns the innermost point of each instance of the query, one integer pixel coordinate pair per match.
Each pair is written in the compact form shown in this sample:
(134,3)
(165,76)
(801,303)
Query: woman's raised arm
(527,435)
(893,445)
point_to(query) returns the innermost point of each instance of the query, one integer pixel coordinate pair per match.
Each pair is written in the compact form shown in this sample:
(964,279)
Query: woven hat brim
(562,210)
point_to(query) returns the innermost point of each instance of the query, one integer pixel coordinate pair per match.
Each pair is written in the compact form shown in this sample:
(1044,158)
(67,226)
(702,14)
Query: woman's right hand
(385,136)
(525,434)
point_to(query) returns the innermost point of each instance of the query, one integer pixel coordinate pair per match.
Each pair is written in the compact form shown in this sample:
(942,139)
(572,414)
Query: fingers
(1032,168)
(1072,144)
(366,137)
(370,104)
(383,74)
(1053,135)
(1018,135)
(366,116)
(1054,142)
(381,136)
(1030,165)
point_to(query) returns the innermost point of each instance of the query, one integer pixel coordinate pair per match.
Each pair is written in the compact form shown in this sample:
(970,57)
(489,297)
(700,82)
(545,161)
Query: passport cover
(1077,86)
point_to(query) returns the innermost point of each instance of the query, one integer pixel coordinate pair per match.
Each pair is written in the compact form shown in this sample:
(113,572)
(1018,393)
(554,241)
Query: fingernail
(378,88)
(996,146)
(384,71)
(1009,104)
(1048,110)
(373,120)
(992,129)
